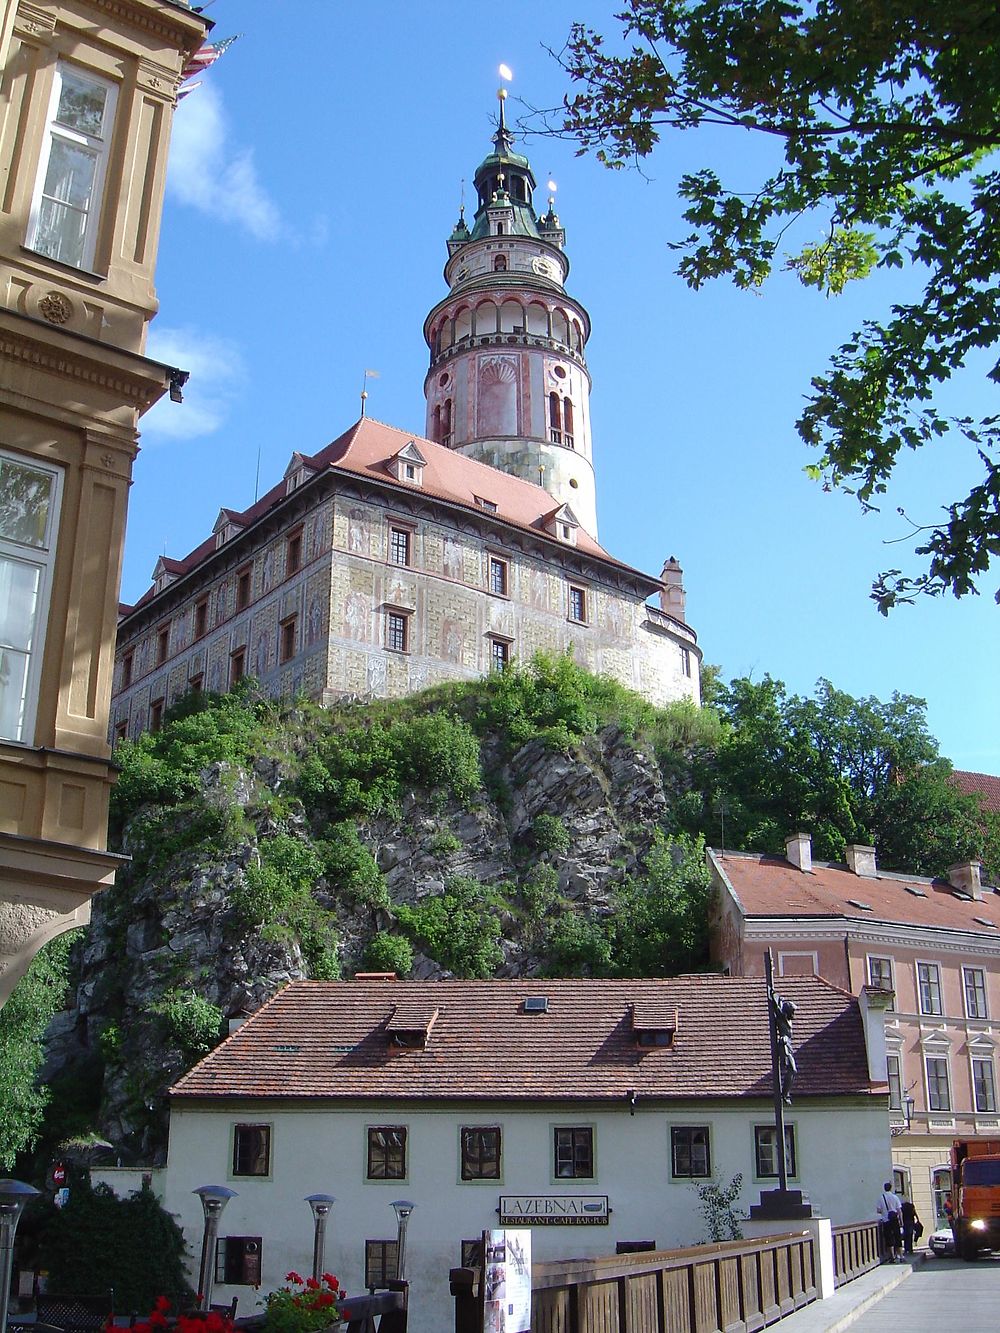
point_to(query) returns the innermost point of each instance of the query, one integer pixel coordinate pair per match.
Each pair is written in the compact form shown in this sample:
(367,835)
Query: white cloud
(207,172)
(217,374)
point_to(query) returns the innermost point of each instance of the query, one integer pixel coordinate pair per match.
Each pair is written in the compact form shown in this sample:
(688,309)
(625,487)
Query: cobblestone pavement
(940,1295)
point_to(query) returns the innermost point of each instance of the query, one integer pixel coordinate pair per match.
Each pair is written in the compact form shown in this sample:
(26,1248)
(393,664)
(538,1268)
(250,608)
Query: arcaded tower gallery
(508,383)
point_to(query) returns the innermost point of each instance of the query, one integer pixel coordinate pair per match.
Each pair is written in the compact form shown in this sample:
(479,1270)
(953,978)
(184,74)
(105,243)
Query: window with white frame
(895,1082)
(29,516)
(66,207)
(765,1154)
(929,988)
(974,985)
(938,1087)
(880,973)
(983,1085)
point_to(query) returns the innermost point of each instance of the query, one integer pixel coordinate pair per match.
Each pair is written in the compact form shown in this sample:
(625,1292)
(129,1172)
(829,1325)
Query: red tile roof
(327,1040)
(983,785)
(772,886)
(368,447)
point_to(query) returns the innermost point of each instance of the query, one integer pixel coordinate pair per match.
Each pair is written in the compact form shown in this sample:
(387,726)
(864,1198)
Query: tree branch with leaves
(886,115)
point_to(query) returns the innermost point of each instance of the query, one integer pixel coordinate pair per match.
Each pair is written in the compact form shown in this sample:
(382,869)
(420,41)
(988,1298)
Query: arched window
(499,228)
(555,419)
(446,426)
(499,263)
(436,424)
(568,422)
(941,1194)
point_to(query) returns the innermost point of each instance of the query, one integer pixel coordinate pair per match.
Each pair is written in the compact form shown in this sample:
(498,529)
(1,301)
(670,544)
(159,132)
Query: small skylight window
(983,922)
(288,1048)
(965,897)
(912,888)
(862,907)
(536,1004)
(488,505)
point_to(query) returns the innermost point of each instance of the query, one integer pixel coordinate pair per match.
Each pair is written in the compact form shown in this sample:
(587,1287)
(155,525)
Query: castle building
(388,562)
(89,88)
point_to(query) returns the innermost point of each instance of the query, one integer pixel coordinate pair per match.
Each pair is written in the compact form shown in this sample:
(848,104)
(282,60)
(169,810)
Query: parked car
(942,1241)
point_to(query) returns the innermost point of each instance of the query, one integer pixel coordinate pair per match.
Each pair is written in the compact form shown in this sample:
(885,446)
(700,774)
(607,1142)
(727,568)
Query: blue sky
(314,178)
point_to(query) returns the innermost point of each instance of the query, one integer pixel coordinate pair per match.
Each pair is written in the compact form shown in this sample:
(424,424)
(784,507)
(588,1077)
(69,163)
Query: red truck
(975,1174)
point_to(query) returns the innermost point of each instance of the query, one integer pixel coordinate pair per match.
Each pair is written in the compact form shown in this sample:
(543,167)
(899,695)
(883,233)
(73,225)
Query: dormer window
(408,465)
(562,524)
(225,528)
(410,1025)
(295,473)
(653,1025)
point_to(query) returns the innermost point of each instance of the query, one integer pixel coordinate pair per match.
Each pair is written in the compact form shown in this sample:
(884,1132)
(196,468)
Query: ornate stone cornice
(132,378)
(883,933)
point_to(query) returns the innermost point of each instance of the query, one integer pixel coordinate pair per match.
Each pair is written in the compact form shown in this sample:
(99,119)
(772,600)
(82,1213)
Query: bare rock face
(165,945)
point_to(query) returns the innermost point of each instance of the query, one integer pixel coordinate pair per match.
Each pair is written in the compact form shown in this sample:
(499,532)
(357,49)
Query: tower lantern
(508,382)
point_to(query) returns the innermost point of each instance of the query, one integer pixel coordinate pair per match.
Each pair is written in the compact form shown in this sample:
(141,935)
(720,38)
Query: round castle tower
(508,383)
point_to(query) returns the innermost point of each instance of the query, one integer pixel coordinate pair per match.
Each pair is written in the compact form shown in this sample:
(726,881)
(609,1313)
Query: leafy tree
(460,927)
(845,769)
(99,1242)
(661,919)
(883,115)
(23,1020)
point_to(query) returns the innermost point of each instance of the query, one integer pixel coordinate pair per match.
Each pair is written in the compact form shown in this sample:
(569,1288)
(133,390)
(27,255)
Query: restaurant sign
(539,1210)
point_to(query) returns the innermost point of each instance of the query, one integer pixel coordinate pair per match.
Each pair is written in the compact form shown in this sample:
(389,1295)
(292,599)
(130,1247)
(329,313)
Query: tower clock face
(545,268)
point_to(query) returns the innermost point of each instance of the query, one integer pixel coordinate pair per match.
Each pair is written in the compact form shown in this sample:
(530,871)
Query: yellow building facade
(86,101)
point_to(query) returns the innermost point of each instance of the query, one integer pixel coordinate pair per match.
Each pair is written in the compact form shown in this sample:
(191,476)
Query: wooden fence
(704,1289)
(856,1249)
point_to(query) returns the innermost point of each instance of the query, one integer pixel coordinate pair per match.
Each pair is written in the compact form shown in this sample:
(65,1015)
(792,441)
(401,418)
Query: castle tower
(508,383)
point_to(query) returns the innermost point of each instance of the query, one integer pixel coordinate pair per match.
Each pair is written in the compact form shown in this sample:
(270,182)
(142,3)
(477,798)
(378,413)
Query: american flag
(206,56)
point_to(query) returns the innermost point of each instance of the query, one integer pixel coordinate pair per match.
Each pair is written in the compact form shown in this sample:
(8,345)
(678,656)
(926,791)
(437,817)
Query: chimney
(967,877)
(799,850)
(861,860)
(672,597)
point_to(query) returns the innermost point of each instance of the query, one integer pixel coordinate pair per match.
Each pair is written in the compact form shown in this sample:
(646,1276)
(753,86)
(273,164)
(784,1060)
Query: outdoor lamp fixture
(908,1105)
(213,1199)
(14,1194)
(320,1205)
(403,1209)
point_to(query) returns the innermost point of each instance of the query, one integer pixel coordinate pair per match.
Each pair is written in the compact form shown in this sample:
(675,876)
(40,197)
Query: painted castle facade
(387,562)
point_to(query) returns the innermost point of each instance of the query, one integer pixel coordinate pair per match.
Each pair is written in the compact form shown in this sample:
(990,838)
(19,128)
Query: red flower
(163,1304)
(291,1277)
(312,1284)
(332,1282)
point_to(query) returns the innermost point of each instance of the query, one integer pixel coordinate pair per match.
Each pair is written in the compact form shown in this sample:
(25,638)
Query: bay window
(29,512)
(67,203)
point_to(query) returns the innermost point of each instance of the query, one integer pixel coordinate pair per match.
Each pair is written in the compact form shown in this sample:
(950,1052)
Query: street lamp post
(213,1200)
(14,1194)
(320,1205)
(403,1209)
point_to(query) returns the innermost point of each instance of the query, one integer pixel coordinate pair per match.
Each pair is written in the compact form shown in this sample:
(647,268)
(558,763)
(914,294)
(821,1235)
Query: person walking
(889,1210)
(910,1222)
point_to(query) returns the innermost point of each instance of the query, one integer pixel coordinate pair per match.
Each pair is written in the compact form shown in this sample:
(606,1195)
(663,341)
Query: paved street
(940,1294)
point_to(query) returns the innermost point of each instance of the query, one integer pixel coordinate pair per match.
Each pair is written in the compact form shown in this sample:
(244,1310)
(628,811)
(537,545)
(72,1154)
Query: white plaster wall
(843,1157)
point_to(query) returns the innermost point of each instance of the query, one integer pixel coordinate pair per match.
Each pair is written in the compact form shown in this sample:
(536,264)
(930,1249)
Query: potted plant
(305,1306)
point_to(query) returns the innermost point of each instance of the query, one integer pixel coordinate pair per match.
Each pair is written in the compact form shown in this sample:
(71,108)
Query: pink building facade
(930,949)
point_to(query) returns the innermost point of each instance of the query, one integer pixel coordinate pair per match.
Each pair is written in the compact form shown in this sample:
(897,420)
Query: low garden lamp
(403,1208)
(14,1194)
(213,1200)
(321,1205)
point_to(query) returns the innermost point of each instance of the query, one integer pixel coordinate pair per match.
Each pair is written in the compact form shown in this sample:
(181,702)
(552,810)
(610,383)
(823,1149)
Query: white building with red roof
(930,947)
(386,562)
(588,1111)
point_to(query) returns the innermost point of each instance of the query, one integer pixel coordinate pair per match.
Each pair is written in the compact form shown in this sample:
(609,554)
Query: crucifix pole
(779,1104)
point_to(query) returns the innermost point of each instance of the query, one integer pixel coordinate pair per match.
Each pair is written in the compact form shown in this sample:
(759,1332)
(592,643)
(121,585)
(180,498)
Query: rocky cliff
(269,865)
